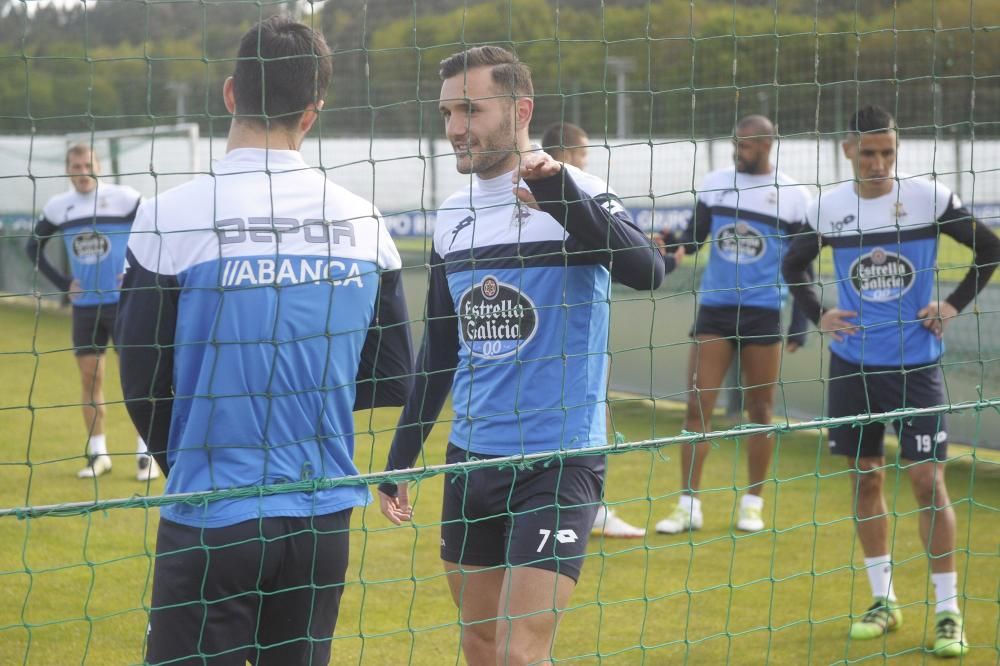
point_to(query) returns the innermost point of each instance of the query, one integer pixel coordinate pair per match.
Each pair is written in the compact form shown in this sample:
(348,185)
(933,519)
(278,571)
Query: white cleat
(751,519)
(681,520)
(96,466)
(610,525)
(146,469)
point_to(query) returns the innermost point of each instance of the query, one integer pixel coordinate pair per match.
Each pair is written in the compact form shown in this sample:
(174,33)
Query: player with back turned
(886,343)
(261,306)
(517,327)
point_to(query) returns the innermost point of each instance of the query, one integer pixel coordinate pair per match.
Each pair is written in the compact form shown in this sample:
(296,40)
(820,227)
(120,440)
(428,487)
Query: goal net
(659,86)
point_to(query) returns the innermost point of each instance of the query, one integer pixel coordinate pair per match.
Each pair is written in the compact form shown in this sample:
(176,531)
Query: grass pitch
(76,589)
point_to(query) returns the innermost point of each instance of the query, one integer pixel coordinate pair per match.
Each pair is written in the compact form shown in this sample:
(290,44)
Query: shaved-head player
(747,214)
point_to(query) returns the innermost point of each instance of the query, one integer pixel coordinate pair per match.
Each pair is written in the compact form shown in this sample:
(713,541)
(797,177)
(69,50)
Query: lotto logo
(562,536)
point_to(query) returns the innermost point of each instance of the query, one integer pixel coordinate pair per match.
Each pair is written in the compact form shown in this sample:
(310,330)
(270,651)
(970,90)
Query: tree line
(689,68)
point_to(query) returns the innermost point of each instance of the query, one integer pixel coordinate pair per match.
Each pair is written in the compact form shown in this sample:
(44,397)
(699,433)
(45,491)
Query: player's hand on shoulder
(533,166)
(936,315)
(837,323)
(397,509)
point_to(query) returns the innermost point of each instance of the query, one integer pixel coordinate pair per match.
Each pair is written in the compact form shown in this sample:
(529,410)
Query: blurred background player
(517,330)
(248,338)
(94,219)
(886,343)
(567,143)
(748,214)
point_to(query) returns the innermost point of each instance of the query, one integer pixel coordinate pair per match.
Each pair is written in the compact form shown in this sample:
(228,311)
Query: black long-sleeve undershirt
(35,249)
(958,223)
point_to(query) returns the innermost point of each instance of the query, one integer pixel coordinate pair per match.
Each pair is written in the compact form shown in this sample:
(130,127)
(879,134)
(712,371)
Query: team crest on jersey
(520,216)
(740,243)
(496,318)
(91,247)
(880,275)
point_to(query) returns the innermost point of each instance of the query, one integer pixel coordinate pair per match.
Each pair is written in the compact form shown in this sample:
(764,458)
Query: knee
(931,492)
(760,410)
(518,654)
(868,480)
(478,642)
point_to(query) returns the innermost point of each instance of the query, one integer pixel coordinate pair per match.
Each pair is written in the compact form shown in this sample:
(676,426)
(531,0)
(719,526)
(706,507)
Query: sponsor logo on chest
(879,276)
(91,247)
(496,318)
(740,243)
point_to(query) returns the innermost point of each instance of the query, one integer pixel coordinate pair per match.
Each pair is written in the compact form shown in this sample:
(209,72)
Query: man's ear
(850,147)
(229,95)
(309,116)
(524,107)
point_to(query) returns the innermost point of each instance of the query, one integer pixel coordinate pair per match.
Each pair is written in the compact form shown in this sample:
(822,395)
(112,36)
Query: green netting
(658,85)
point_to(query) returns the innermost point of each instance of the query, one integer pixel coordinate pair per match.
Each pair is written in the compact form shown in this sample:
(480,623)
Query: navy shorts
(879,389)
(537,515)
(267,591)
(92,328)
(743,325)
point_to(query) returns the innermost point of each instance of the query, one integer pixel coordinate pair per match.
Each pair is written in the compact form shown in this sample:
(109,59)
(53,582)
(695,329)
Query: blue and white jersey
(271,276)
(750,220)
(885,257)
(518,308)
(95,229)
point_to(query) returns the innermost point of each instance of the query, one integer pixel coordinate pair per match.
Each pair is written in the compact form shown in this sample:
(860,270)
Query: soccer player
(94,219)
(885,333)
(748,214)
(261,305)
(517,326)
(567,143)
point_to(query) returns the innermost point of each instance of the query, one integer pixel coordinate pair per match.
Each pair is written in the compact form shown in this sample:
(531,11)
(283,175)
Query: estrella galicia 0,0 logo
(496,318)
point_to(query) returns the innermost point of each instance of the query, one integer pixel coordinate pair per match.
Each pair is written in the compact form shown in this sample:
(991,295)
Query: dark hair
(81,149)
(872,119)
(282,67)
(510,75)
(562,136)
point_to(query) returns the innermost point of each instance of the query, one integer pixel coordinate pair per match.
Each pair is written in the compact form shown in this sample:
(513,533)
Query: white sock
(945,592)
(602,515)
(690,503)
(140,446)
(97,445)
(880,576)
(749,501)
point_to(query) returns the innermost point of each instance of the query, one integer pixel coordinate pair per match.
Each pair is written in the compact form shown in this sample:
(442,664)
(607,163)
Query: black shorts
(267,591)
(879,389)
(741,325)
(538,515)
(92,328)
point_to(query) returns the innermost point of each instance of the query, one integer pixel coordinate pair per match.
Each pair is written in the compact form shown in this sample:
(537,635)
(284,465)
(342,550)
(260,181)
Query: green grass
(75,589)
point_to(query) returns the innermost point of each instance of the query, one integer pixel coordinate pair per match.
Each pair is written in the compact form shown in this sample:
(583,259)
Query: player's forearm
(385,374)
(633,259)
(144,330)
(430,391)
(35,250)
(986,254)
(696,231)
(797,271)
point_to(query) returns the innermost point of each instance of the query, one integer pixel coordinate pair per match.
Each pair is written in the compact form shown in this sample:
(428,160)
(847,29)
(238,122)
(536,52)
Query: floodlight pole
(621,68)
